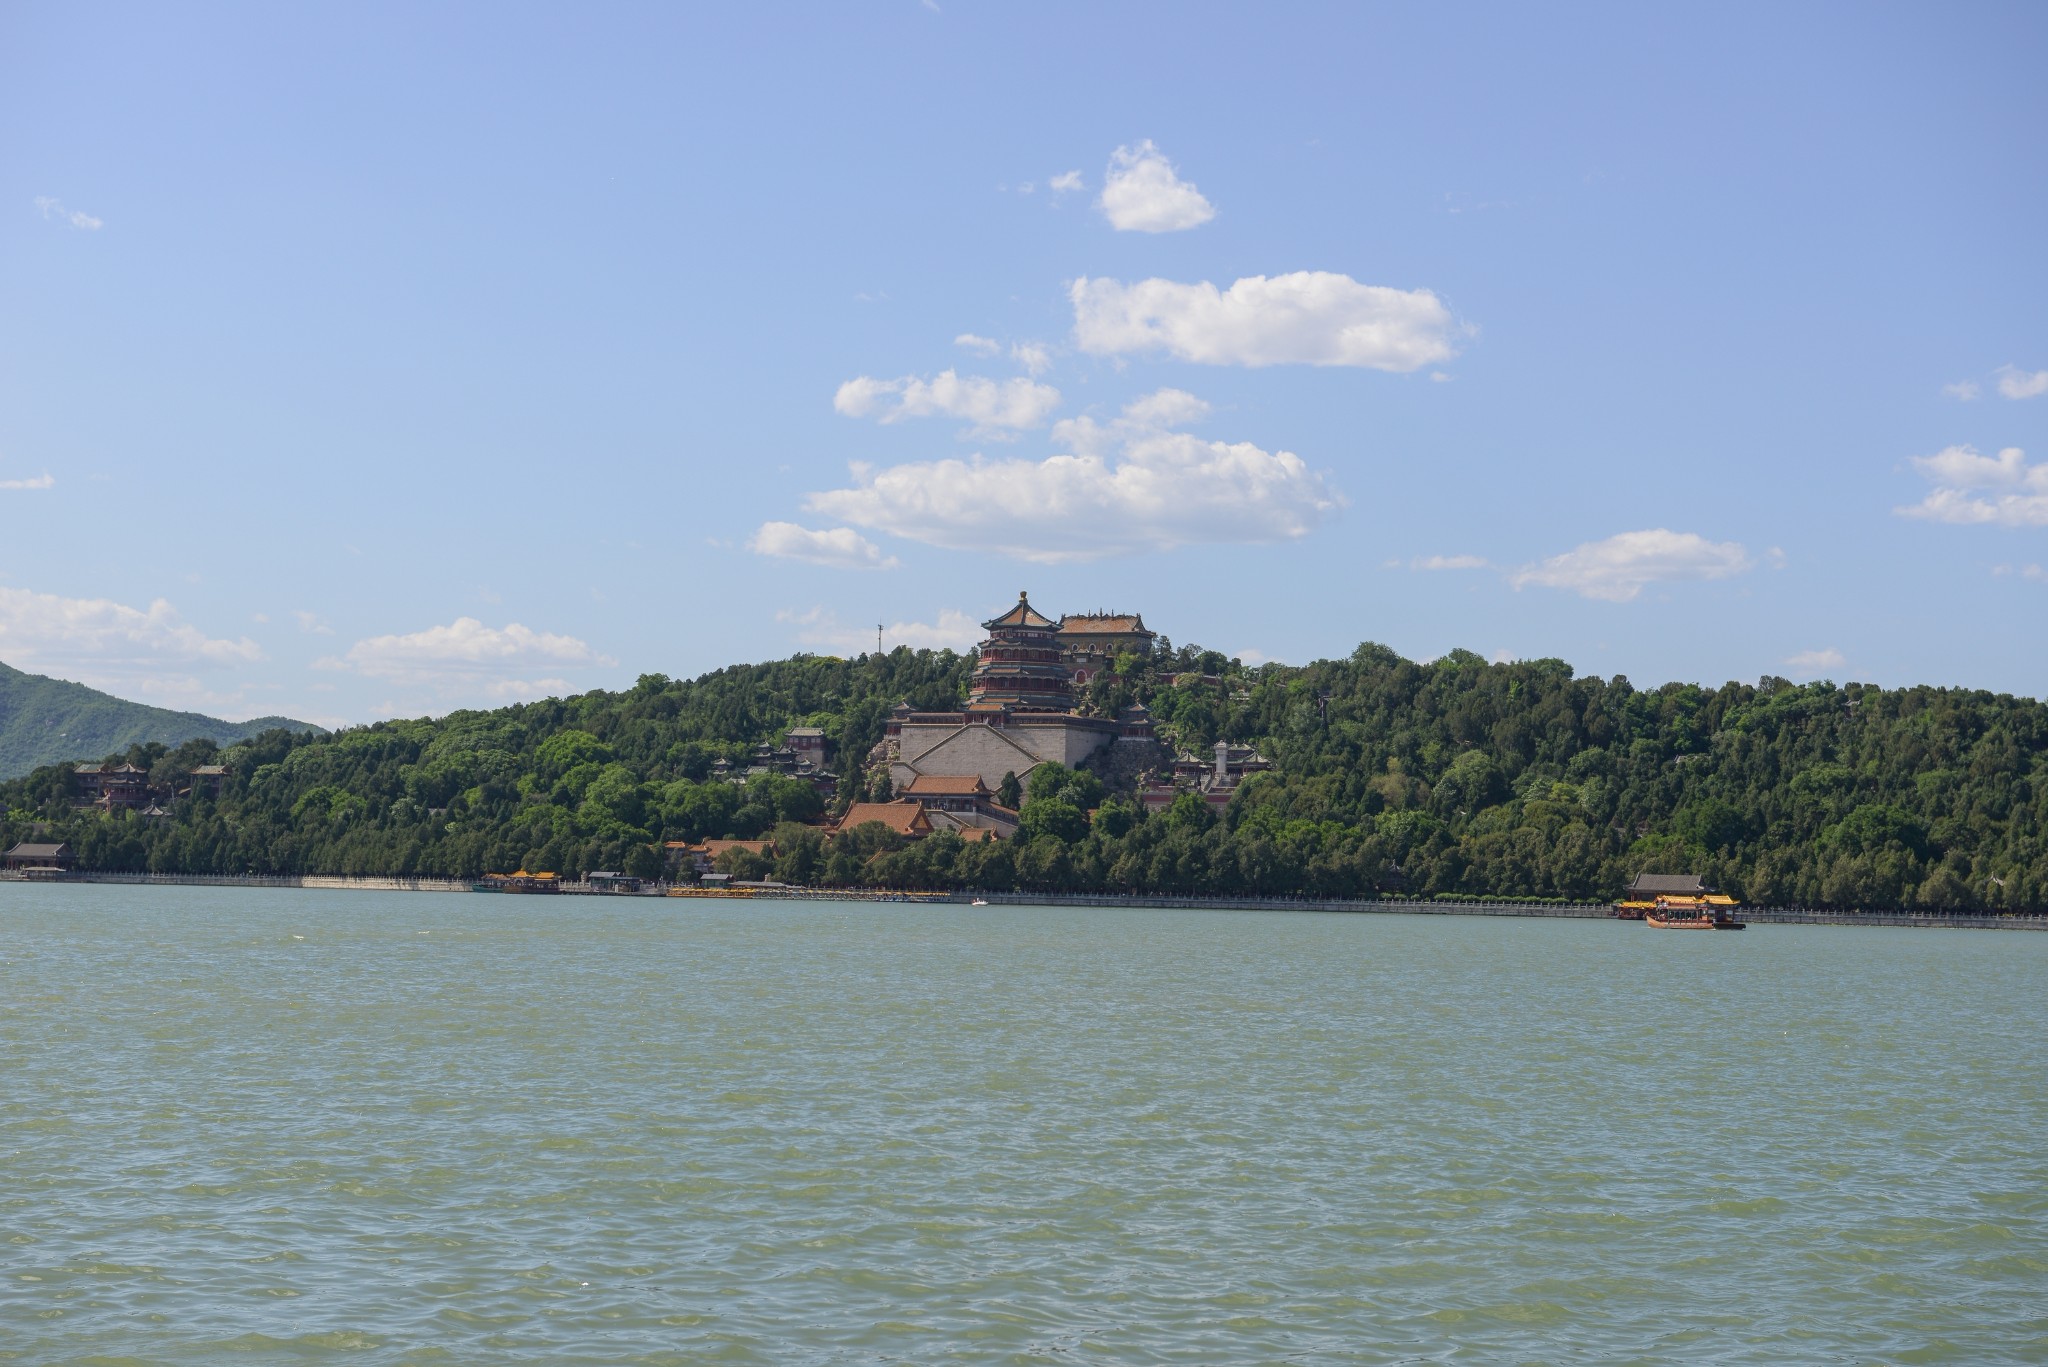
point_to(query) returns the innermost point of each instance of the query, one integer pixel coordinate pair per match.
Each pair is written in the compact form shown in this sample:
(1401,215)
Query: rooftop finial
(1023,594)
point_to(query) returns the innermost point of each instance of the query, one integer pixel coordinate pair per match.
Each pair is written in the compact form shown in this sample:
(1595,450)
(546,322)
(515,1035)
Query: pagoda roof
(903,817)
(1105,624)
(945,785)
(714,848)
(1022,615)
(1020,669)
(1685,884)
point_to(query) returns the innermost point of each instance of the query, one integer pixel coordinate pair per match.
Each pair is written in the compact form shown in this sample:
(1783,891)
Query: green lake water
(294,1127)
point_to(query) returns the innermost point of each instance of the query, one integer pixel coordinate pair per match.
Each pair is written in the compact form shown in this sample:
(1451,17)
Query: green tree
(567,750)
(1711,823)
(1053,819)
(1458,776)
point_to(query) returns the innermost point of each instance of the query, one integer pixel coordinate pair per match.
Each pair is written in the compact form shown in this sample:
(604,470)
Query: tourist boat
(1714,912)
(978,902)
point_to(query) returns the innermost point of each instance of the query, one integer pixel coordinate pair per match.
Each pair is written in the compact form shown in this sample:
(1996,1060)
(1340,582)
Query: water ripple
(290,1127)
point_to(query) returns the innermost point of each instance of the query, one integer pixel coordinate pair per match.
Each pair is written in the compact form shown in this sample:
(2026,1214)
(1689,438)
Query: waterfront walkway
(1383,906)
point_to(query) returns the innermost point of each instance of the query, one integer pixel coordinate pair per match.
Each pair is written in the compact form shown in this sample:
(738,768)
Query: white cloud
(1141,193)
(47,631)
(1304,318)
(2015,383)
(1450,562)
(464,653)
(1815,661)
(1965,390)
(1974,489)
(993,406)
(312,623)
(1033,356)
(838,547)
(1158,411)
(1167,407)
(1131,485)
(190,693)
(1065,182)
(821,629)
(1961,467)
(42,481)
(151,655)
(51,209)
(1617,569)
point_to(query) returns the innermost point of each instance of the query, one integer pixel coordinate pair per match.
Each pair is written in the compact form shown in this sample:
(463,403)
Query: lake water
(292,1127)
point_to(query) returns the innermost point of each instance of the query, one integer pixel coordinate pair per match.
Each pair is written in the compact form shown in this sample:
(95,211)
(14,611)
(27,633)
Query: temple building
(1215,780)
(33,859)
(1019,712)
(808,744)
(802,755)
(1091,641)
(904,817)
(961,803)
(1019,667)
(111,787)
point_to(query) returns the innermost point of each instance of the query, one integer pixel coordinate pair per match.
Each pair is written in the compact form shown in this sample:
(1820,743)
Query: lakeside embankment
(1381,906)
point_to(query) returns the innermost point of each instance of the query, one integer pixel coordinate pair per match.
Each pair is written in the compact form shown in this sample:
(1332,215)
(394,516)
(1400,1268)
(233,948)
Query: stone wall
(1128,762)
(993,751)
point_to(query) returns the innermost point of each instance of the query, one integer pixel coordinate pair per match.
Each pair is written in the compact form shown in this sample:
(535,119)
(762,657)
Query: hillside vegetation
(1456,776)
(48,721)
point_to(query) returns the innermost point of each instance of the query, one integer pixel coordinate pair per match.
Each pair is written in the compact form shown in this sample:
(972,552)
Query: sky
(372,360)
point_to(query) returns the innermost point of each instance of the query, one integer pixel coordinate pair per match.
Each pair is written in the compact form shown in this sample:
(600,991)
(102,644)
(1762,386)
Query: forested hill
(48,721)
(1455,776)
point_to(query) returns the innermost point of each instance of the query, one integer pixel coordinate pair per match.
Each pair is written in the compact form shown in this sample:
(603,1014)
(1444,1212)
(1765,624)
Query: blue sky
(377,360)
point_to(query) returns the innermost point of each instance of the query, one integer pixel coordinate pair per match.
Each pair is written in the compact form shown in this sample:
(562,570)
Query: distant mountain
(47,721)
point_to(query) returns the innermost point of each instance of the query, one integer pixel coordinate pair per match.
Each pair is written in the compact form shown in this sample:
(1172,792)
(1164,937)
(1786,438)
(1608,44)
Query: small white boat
(978,902)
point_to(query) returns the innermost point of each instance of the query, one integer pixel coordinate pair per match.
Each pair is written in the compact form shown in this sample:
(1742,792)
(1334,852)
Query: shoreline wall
(1387,906)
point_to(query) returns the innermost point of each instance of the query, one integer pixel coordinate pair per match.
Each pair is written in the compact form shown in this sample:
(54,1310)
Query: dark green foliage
(567,785)
(47,721)
(1451,779)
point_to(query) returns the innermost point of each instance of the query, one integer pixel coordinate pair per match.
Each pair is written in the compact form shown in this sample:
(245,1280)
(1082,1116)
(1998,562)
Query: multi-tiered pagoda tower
(1021,667)
(1019,715)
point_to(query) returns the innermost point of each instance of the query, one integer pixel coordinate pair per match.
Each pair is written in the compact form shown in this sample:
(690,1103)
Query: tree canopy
(1453,777)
